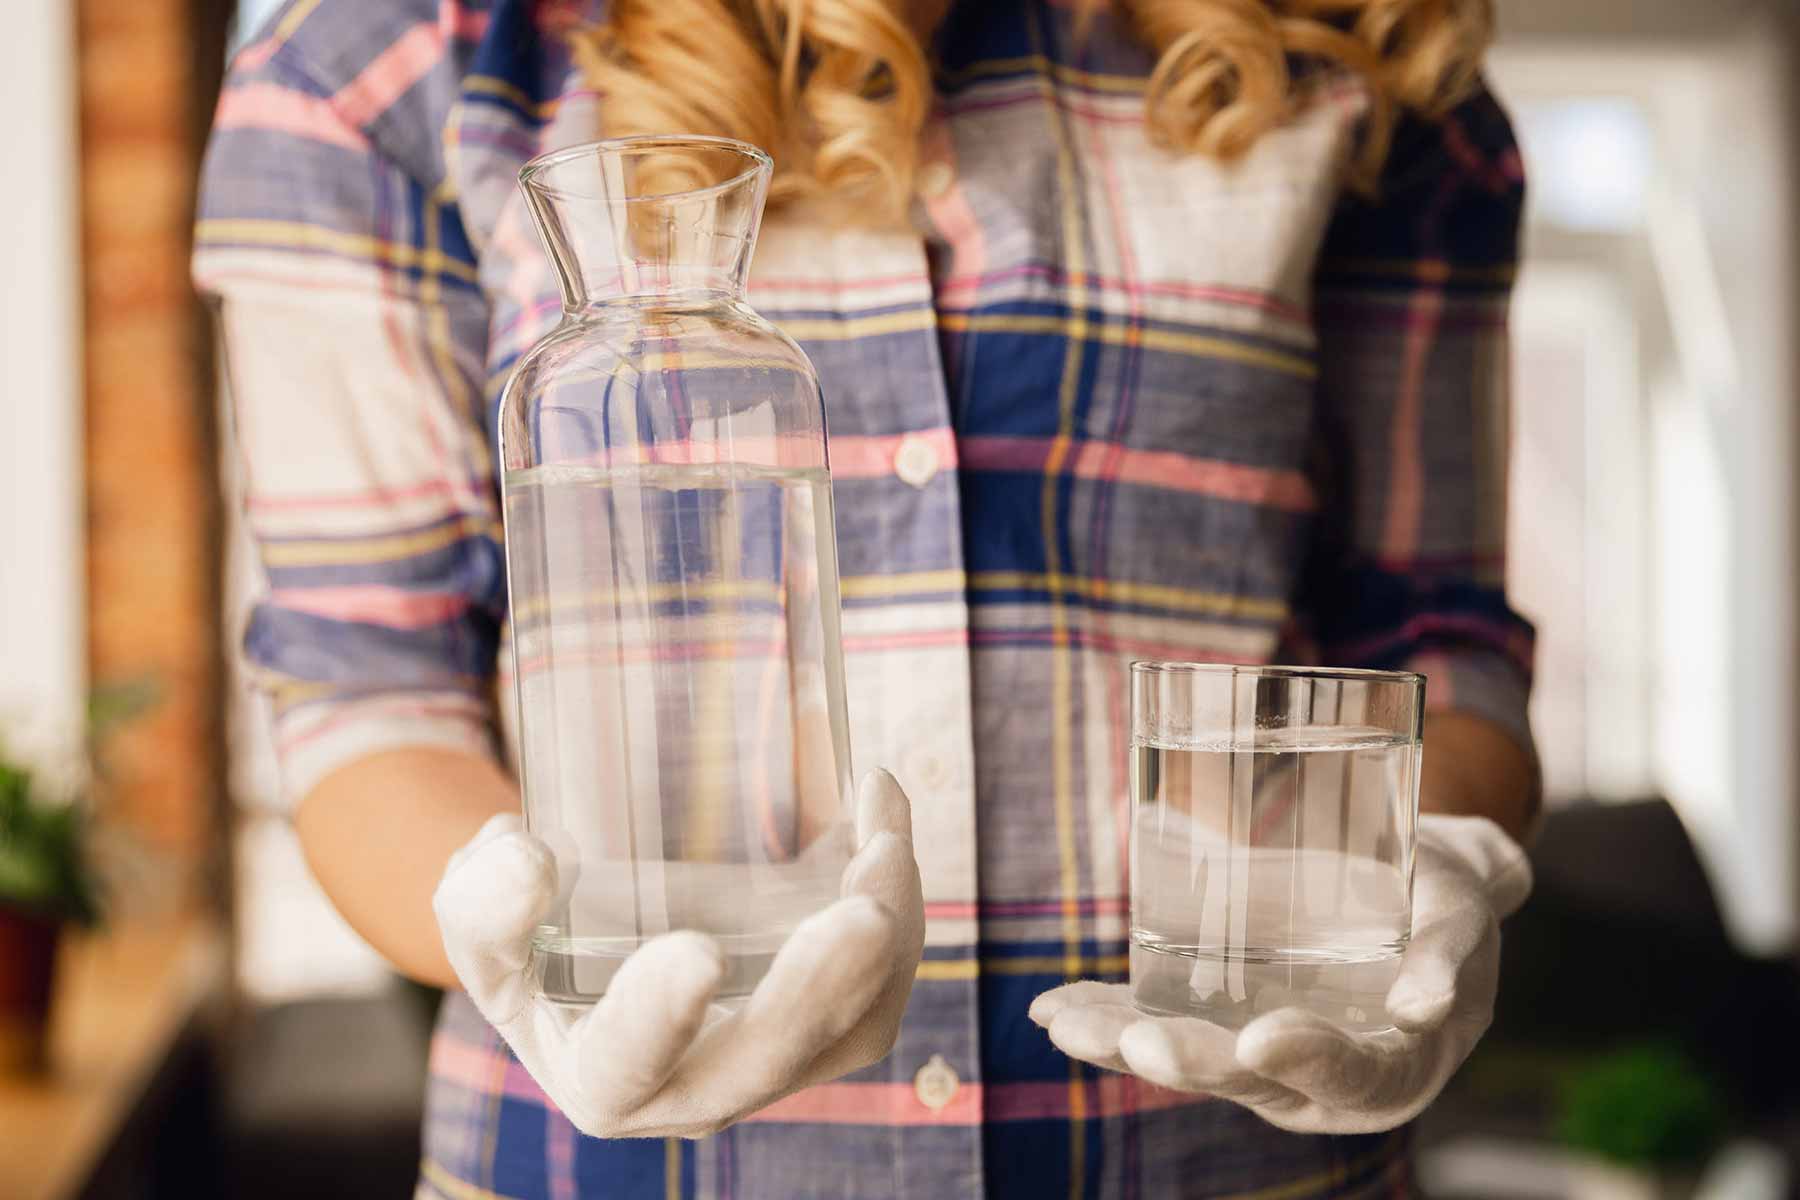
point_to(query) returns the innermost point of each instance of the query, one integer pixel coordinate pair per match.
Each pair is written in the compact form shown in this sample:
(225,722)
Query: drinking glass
(1272,820)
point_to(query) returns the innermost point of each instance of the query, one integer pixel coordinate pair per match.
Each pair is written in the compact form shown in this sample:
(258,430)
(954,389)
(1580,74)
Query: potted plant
(1647,1118)
(45,883)
(50,860)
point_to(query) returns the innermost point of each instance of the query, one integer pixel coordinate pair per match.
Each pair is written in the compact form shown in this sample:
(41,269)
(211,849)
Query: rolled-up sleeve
(1408,571)
(354,335)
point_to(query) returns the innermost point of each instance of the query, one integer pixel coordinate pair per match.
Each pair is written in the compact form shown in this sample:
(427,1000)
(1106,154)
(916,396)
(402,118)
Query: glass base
(578,970)
(1347,986)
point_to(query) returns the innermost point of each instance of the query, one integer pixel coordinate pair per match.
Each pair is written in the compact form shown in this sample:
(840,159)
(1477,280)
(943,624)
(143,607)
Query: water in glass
(1271,868)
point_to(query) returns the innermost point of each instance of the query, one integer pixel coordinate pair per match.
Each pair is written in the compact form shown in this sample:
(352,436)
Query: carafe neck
(661,220)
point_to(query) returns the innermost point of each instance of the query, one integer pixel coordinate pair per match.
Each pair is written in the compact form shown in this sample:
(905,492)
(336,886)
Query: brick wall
(147,71)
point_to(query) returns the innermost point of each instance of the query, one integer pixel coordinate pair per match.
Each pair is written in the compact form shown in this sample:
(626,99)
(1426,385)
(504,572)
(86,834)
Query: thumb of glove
(493,893)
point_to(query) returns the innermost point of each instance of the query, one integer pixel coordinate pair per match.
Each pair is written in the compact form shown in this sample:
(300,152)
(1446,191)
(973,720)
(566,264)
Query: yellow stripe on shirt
(488,85)
(849,329)
(295,235)
(285,28)
(441,1179)
(1120,591)
(914,583)
(348,551)
(1056,966)
(1195,345)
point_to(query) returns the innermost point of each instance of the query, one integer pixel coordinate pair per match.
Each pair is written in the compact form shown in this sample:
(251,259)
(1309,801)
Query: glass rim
(1272,671)
(760,162)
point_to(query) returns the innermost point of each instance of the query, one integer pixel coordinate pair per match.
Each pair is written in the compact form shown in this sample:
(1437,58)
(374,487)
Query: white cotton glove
(655,1057)
(1296,1069)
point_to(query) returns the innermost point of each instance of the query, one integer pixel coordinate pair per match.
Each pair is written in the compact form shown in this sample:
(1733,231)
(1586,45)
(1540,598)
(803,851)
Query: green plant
(44,864)
(1644,1105)
(46,830)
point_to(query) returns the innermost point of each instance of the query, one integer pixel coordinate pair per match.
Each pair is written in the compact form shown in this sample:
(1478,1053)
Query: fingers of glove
(1425,989)
(825,979)
(868,1041)
(1381,1079)
(884,867)
(1091,1032)
(486,907)
(827,975)
(881,807)
(1483,848)
(651,1013)
(872,1037)
(1044,1008)
(1197,1056)
(885,871)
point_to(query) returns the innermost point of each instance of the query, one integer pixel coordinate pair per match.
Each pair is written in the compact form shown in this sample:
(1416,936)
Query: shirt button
(936,1083)
(916,461)
(934,179)
(931,772)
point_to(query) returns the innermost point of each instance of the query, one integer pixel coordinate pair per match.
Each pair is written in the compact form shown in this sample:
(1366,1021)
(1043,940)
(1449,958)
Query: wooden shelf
(123,1000)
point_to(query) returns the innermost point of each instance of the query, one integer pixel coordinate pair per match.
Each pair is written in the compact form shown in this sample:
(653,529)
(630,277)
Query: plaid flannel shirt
(1102,402)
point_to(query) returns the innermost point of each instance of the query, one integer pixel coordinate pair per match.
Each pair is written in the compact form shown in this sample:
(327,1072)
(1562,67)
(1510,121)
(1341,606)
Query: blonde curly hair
(838,90)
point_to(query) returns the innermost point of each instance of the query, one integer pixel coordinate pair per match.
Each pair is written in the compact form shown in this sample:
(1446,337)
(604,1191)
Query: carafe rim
(532,173)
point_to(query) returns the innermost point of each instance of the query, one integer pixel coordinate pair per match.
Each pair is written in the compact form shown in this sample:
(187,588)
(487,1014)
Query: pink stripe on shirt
(461,22)
(1107,1095)
(1474,630)
(390,74)
(851,457)
(374,604)
(760,284)
(871,1104)
(265,106)
(873,457)
(1283,489)
(965,289)
(255,55)
(470,1065)
(1405,497)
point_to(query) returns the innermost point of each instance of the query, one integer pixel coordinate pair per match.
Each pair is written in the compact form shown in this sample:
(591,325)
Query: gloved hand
(1295,1069)
(655,1057)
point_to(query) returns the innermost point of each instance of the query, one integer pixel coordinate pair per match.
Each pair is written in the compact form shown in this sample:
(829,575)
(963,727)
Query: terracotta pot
(27,963)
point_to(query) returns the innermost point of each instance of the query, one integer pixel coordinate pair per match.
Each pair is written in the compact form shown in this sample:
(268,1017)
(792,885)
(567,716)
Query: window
(1653,457)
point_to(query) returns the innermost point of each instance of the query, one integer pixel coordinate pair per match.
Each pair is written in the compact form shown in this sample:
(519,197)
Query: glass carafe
(670,553)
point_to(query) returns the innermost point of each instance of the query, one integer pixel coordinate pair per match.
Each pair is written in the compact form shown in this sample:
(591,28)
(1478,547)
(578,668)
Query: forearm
(378,833)
(1473,767)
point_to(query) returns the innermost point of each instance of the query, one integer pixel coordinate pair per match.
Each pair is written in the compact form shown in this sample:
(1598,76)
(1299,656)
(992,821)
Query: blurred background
(223,1033)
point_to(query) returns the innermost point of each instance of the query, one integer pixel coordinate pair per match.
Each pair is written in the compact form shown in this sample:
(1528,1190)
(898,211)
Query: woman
(1166,329)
